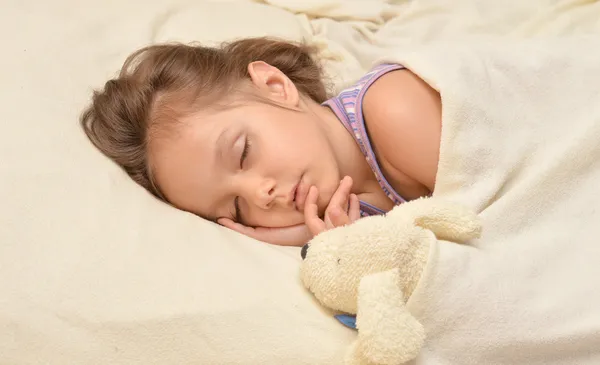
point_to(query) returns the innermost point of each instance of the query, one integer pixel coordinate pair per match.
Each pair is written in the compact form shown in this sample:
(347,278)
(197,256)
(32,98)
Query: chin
(322,208)
(326,195)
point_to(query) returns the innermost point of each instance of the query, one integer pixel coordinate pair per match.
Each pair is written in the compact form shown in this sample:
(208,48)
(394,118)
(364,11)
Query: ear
(447,220)
(387,331)
(274,83)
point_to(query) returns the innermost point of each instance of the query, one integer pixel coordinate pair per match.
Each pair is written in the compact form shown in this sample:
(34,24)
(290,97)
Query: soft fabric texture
(520,145)
(93,270)
(372,267)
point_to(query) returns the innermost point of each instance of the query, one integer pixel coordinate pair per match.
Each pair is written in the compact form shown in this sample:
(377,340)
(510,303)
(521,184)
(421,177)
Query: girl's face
(252,163)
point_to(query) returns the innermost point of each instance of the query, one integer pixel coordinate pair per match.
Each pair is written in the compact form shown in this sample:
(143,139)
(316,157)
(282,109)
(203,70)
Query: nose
(264,193)
(304,251)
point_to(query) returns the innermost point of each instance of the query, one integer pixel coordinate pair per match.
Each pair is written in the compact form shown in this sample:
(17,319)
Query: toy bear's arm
(387,332)
(447,220)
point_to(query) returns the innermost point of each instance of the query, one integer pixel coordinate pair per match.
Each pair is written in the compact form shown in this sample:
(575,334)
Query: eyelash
(245,152)
(236,202)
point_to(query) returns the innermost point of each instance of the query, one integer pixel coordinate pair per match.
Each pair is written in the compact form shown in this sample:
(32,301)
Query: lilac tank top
(347,106)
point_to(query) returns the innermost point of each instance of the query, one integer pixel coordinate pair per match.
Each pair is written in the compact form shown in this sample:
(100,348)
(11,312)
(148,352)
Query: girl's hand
(343,208)
(297,235)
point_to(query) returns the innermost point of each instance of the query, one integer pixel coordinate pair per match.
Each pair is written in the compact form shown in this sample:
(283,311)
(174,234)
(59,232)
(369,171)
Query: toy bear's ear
(387,331)
(448,221)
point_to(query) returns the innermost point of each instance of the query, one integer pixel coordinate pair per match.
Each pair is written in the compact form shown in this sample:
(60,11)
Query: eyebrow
(219,145)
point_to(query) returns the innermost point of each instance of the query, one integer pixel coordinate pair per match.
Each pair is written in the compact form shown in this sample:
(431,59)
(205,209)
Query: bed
(93,270)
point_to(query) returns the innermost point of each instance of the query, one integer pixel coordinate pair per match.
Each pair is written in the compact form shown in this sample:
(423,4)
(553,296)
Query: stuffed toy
(369,269)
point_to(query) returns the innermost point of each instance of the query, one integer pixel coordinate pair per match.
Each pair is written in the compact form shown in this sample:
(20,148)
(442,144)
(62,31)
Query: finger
(327,219)
(354,209)
(346,186)
(340,197)
(240,228)
(297,235)
(338,217)
(311,212)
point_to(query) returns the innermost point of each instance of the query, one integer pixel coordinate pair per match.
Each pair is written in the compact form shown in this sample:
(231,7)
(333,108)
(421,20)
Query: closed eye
(238,214)
(236,202)
(245,152)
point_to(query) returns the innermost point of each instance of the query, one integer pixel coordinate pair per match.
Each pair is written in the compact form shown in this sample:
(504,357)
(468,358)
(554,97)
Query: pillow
(93,270)
(211,22)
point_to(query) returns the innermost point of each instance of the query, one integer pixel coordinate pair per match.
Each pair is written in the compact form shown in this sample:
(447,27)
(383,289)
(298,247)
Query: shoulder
(404,91)
(403,116)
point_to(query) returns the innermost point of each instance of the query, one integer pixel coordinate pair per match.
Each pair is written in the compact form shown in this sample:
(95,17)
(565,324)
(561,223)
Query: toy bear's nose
(304,250)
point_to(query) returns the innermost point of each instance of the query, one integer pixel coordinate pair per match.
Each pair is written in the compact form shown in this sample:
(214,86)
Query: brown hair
(159,84)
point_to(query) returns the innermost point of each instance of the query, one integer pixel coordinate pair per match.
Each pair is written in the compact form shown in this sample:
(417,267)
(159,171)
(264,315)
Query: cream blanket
(95,271)
(521,145)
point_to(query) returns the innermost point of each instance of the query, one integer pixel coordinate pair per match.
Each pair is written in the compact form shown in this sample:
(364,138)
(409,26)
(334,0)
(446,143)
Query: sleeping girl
(246,135)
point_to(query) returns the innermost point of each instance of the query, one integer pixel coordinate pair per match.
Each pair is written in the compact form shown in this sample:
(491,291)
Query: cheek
(327,187)
(281,145)
(300,134)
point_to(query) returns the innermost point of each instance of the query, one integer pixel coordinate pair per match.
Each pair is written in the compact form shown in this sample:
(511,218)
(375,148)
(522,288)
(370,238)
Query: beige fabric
(372,267)
(92,269)
(521,145)
(355,32)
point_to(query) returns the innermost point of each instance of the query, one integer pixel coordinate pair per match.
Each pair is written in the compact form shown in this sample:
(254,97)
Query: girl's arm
(403,117)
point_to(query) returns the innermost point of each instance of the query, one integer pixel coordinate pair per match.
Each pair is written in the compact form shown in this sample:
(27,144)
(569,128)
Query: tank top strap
(347,106)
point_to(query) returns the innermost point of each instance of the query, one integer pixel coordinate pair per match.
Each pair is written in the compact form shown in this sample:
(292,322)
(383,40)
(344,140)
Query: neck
(350,159)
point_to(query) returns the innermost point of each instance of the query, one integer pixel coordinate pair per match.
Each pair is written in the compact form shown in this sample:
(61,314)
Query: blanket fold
(521,145)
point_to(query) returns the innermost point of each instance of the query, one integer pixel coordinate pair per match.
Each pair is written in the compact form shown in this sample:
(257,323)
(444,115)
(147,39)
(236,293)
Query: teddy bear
(370,268)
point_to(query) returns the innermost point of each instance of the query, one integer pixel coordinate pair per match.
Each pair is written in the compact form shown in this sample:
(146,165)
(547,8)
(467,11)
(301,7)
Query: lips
(292,194)
(300,195)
